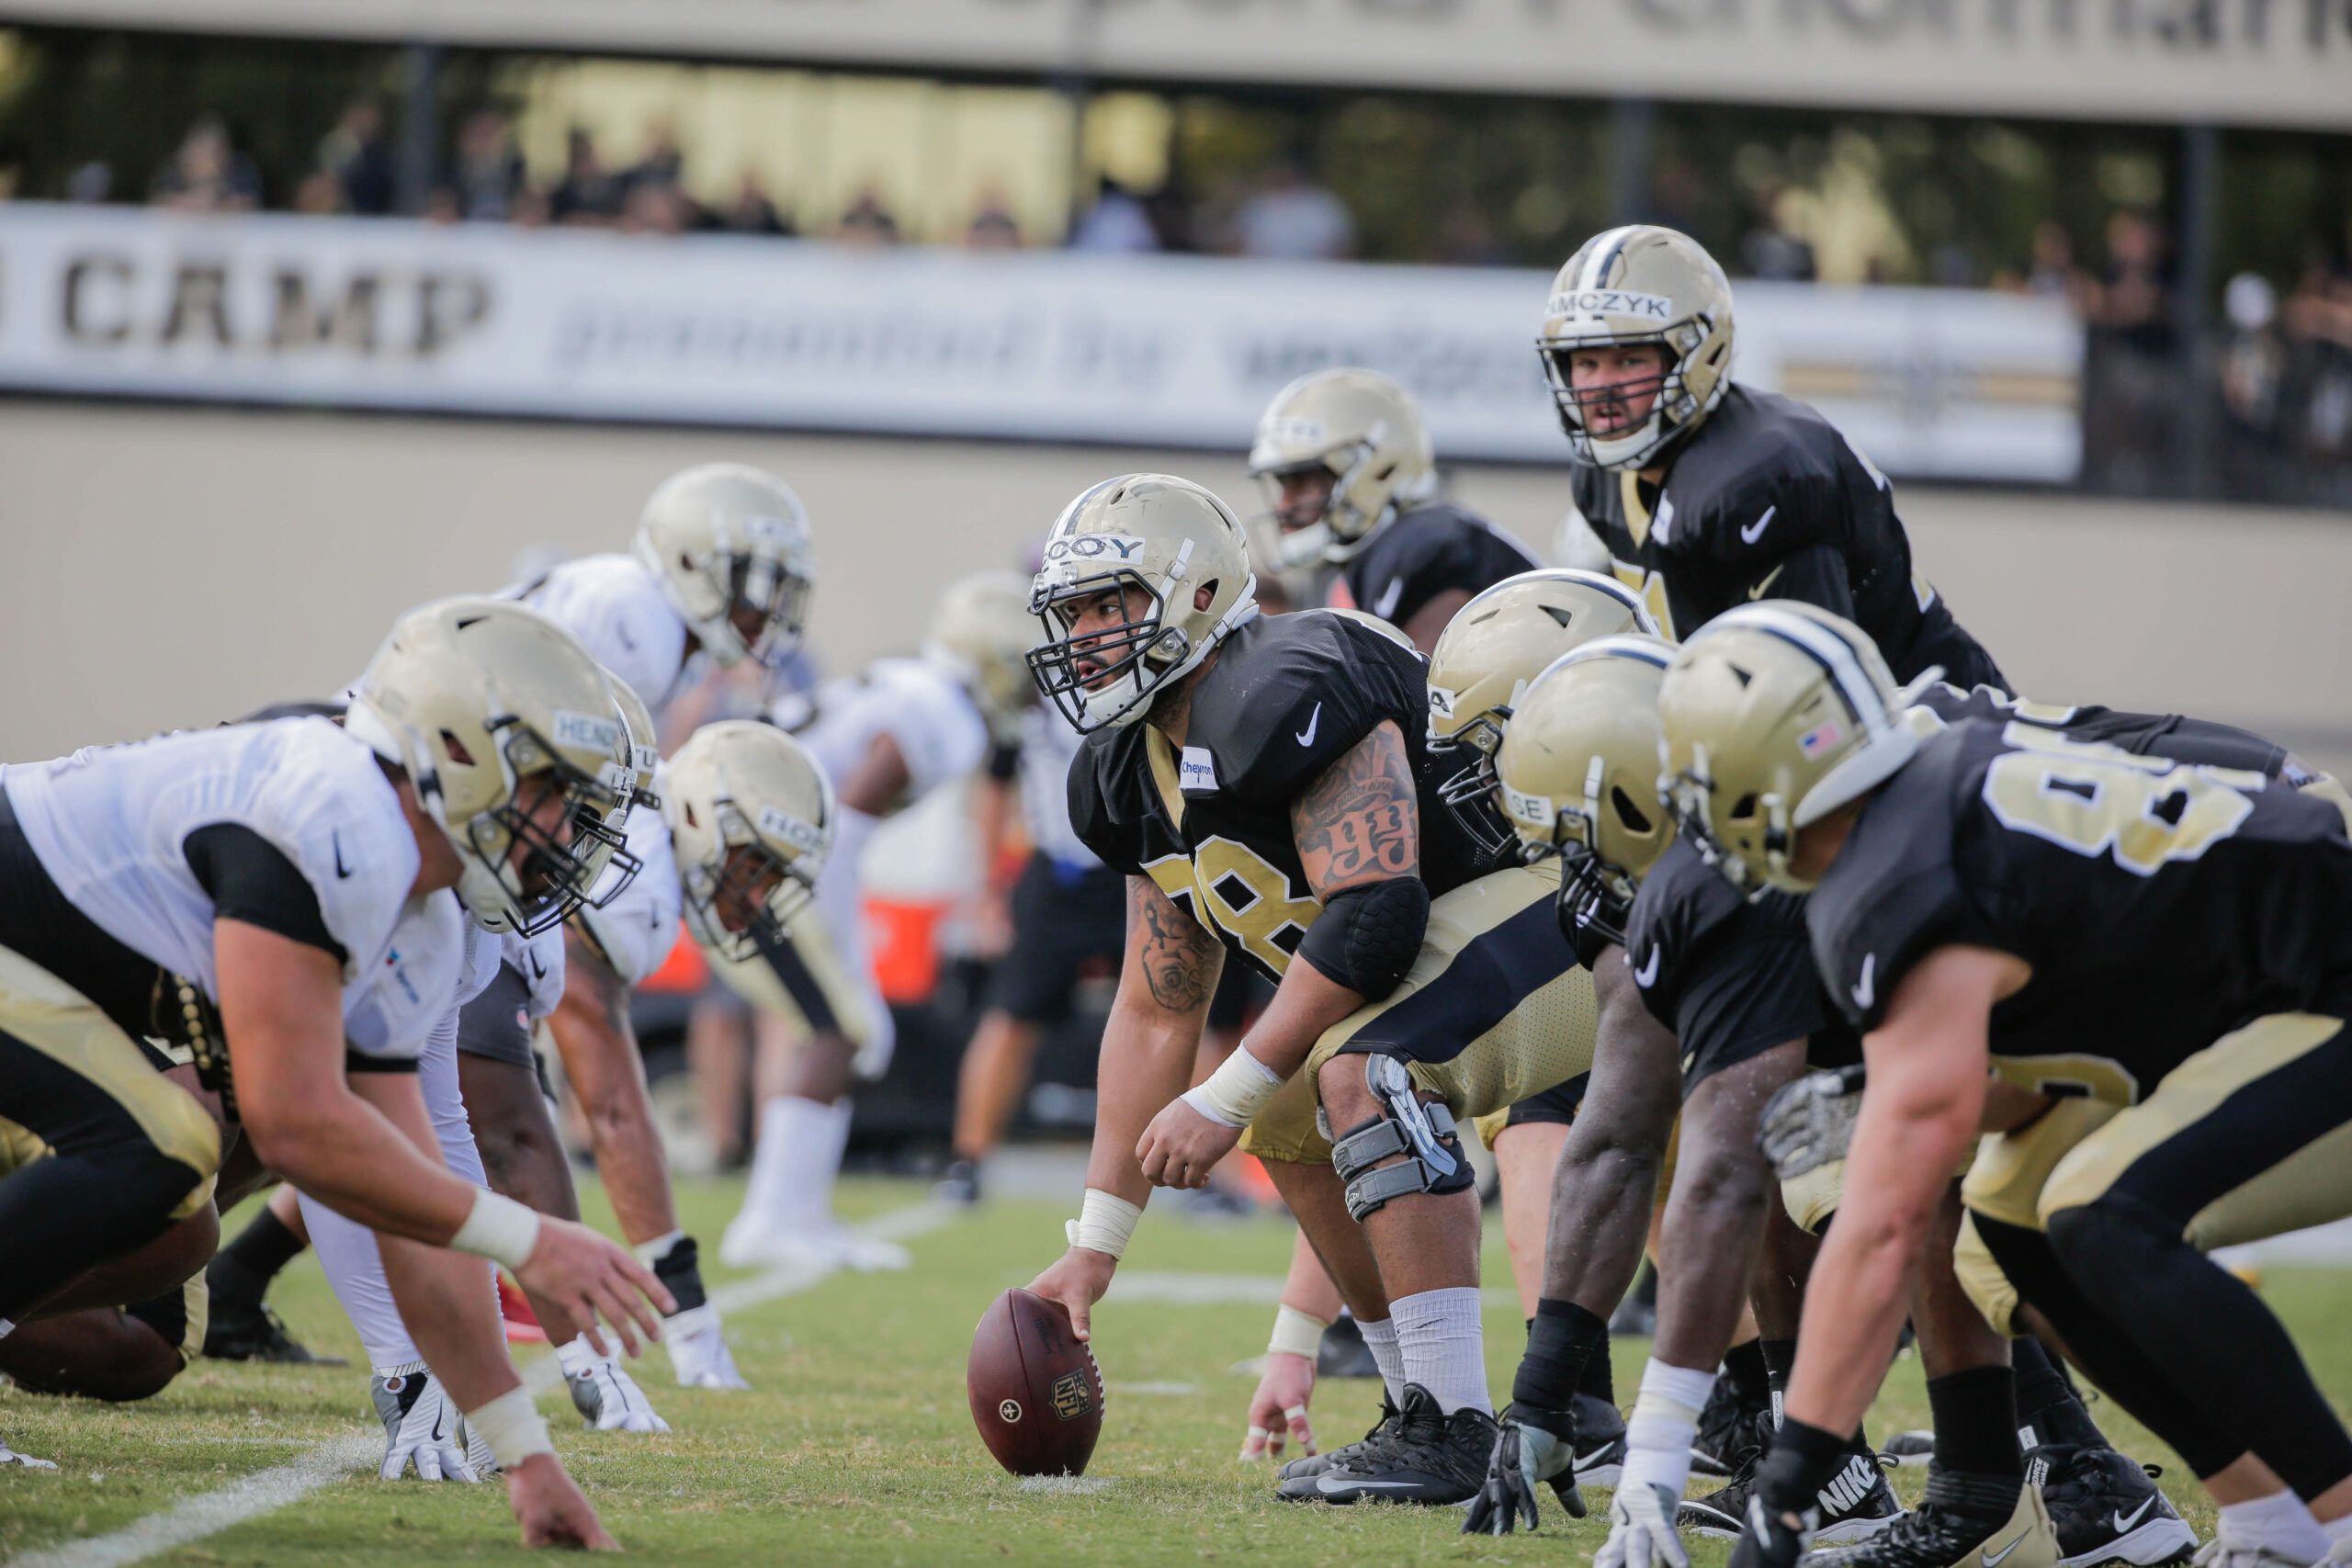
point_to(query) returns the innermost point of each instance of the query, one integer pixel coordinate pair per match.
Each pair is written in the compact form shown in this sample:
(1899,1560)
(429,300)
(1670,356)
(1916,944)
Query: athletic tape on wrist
(513,1426)
(1296,1333)
(1236,1091)
(1104,1223)
(499,1229)
(1664,1421)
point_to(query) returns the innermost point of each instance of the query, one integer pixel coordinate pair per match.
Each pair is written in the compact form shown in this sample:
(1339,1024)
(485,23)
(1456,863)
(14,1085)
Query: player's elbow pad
(1368,935)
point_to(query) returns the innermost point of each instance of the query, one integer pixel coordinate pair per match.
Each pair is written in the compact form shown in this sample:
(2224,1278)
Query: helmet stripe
(1605,251)
(1828,649)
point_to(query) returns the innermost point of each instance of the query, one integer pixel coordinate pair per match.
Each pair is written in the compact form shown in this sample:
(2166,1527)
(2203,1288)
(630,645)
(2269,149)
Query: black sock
(680,1271)
(243,1270)
(1562,1340)
(1975,1422)
(1600,1381)
(2049,1410)
(1743,1369)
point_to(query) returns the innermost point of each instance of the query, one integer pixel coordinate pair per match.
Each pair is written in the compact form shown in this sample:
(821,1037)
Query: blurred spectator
(2133,298)
(2253,381)
(1116,221)
(319,194)
(2132,377)
(91,182)
(867,221)
(353,155)
(2318,320)
(662,164)
(752,212)
(530,209)
(993,227)
(206,173)
(1773,248)
(589,193)
(1466,239)
(656,208)
(2051,273)
(1289,217)
(489,172)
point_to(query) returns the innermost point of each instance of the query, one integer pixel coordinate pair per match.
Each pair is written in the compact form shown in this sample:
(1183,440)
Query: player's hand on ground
(551,1509)
(593,1277)
(1528,1451)
(1182,1146)
(697,1345)
(1641,1531)
(608,1399)
(1774,1538)
(420,1428)
(1278,1410)
(1078,1279)
(9,1456)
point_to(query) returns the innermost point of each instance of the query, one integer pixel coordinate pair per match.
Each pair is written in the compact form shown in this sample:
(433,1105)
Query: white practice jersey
(620,614)
(938,727)
(439,959)
(541,961)
(109,824)
(1049,746)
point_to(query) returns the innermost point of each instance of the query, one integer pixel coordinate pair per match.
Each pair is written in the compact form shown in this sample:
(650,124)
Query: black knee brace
(1423,1133)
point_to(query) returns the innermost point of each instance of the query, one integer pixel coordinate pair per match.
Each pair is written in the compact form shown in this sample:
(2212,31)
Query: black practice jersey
(1767,501)
(1732,977)
(1287,696)
(1425,552)
(2160,904)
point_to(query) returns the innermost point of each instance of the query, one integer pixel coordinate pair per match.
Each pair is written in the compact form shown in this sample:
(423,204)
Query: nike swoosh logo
(1385,606)
(342,872)
(1755,531)
(2122,1523)
(1585,1461)
(1369,1486)
(539,970)
(1758,592)
(1867,991)
(1993,1559)
(1307,737)
(1647,976)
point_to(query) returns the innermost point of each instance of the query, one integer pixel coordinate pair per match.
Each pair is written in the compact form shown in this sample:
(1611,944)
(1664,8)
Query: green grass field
(856,1446)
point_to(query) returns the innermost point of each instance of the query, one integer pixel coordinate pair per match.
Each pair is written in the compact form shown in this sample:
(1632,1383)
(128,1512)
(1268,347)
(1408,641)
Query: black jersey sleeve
(1114,835)
(1813,574)
(1746,995)
(1756,494)
(249,879)
(1429,551)
(1311,695)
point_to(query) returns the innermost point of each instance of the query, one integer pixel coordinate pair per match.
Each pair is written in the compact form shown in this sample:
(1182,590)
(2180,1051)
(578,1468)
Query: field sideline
(856,1445)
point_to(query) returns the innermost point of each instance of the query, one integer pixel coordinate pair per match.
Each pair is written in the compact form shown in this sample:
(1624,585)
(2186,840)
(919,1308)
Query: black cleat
(1965,1521)
(1343,1354)
(249,1331)
(1909,1448)
(1425,1456)
(1295,1481)
(2106,1508)
(959,1184)
(1854,1503)
(1726,1433)
(1599,1442)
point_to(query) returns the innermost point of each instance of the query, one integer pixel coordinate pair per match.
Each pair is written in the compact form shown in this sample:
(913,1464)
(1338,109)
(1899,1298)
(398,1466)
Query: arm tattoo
(1360,821)
(1179,960)
(583,957)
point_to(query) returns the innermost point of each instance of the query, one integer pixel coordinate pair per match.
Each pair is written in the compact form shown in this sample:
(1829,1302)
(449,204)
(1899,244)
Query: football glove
(421,1426)
(1533,1446)
(1809,1122)
(607,1398)
(698,1350)
(9,1456)
(1773,1538)
(1641,1531)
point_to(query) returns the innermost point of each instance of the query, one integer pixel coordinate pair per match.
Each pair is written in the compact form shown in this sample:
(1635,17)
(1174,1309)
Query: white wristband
(513,1427)
(1104,1223)
(1664,1420)
(1238,1090)
(499,1229)
(1296,1333)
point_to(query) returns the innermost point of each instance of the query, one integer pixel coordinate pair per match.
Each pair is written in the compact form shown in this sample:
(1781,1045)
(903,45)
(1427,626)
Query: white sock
(1665,1419)
(5,1326)
(1380,1338)
(2280,1522)
(2338,1531)
(799,1153)
(1444,1350)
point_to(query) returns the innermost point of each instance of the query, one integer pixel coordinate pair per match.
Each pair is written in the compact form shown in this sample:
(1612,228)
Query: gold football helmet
(1579,774)
(752,816)
(489,706)
(730,546)
(1776,715)
(1494,645)
(1162,542)
(608,851)
(982,630)
(1640,284)
(1363,428)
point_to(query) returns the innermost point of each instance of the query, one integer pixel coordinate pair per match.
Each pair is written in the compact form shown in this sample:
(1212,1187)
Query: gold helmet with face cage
(1368,434)
(752,816)
(1776,715)
(1493,648)
(615,866)
(1179,555)
(477,699)
(1578,775)
(1636,284)
(724,540)
(983,631)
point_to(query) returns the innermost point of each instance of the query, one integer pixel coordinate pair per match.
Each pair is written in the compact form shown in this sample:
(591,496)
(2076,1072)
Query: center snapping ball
(1036,1393)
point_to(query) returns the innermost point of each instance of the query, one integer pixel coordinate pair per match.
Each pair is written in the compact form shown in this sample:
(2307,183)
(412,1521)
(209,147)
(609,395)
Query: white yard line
(266,1491)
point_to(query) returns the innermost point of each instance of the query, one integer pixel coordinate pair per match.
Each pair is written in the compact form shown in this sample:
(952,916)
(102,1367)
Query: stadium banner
(2268,63)
(1045,345)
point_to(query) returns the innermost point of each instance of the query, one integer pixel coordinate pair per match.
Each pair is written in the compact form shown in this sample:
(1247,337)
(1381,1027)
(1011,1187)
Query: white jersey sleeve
(923,709)
(111,825)
(541,961)
(613,606)
(638,928)
(434,956)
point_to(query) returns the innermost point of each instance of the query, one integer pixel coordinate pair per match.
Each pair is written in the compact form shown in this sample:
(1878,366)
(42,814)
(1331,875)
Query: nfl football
(1037,1392)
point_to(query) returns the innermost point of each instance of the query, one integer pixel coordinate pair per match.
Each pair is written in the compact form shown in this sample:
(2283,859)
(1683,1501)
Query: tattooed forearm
(1360,821)
(1179,960)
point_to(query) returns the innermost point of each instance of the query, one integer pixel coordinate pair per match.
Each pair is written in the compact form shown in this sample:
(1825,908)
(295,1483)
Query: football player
(1349,477)
(2151,958)
(886,739)
(1731,976)
(1265,785)
(263,894)
(1709,493)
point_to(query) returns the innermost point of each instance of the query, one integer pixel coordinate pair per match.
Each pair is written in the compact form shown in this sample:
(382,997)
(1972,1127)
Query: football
(1036,1393)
